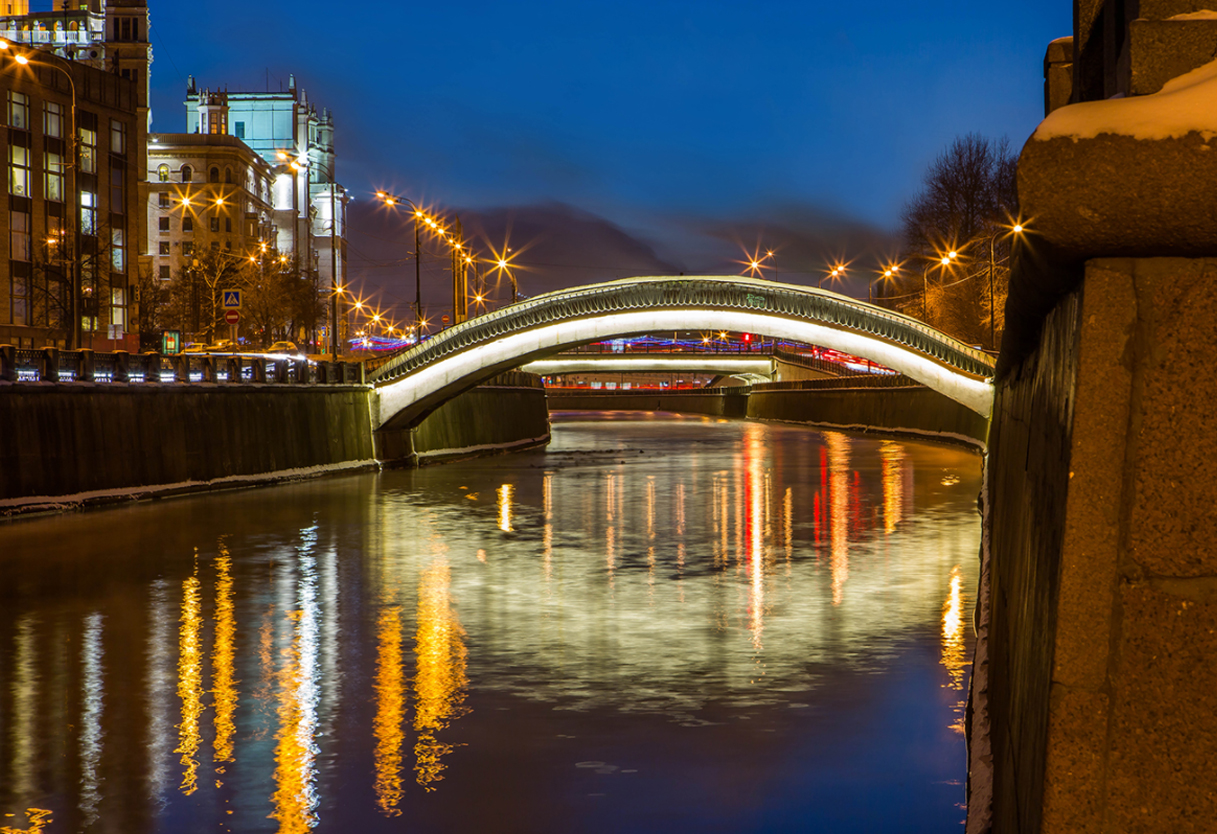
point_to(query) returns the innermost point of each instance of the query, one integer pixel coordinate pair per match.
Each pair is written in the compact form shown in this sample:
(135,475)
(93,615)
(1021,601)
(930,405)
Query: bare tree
(152,296)
(968,195)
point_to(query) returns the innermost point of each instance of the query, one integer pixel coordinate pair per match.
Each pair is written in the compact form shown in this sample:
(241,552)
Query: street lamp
(1016,229)
(503,266)
(837,273)
(391,200)
(887,275)
(74,279)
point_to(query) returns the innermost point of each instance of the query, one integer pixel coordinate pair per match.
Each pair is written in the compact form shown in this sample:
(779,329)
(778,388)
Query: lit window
(88,150)
(88,213)
(18,110)
(118,251)
(19,170)
(54,175)
(52,119)
(118,137)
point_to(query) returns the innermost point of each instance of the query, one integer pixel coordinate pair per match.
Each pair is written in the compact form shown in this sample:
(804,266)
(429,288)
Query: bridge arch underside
(712,364)
(407,400)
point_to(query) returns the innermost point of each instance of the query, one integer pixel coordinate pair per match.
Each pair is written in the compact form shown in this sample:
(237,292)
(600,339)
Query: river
(658,624)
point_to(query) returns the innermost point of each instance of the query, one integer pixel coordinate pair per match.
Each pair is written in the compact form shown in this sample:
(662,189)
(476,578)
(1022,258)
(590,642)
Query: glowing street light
(1016,229)
(391,201)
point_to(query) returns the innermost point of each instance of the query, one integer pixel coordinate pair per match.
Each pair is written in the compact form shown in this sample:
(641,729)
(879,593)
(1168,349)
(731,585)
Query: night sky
(628,137)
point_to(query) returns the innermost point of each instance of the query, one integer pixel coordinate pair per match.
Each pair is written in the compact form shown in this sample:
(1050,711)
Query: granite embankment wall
(860,403)
(507,414)
(69,438)
(718,402)
(84,443)
(868,403)
(1101,685)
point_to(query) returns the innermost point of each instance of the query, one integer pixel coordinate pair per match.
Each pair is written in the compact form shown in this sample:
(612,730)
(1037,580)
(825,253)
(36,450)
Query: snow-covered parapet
(1185,104)
(1128,176)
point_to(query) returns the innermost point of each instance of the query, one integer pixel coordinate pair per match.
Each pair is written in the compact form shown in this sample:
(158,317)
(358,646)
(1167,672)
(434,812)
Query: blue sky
(663,117)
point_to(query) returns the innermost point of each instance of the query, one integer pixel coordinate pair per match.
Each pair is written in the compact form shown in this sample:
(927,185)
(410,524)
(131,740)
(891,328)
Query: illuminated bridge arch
(412,385)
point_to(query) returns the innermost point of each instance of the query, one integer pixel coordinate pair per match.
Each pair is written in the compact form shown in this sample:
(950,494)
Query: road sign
(444,319)
(232,316)
(230,299)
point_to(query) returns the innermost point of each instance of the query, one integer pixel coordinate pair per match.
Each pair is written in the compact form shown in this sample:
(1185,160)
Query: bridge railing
(23,365)
(813,363)
(714,348)
(840,382)
(752,295)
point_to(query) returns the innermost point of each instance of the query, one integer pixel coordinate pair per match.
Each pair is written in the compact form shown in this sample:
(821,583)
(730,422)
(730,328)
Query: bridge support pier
(394,447)
(1099,689)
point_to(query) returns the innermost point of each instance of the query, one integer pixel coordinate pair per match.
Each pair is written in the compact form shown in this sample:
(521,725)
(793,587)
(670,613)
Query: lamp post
(74,278)
(391,200)
(504,266)
(888,274)
(945,260)
(1017,228)
(334,287)
(836,273)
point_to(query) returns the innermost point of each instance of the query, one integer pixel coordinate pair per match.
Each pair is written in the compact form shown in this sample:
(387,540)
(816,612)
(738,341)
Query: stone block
(1091,540)
(1163,757)
(1117,196)
(1164,49)
(1172,524)
(1163,9)
(1058,74)
(1075,762)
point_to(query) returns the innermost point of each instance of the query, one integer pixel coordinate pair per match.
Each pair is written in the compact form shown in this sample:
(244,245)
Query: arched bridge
(414,384)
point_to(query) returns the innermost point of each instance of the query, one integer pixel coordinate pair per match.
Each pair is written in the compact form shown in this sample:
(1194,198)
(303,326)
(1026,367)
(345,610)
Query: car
(195,347)
(222,346)
(282,347)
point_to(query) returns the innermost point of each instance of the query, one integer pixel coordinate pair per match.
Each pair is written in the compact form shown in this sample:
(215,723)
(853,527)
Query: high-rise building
(309,205)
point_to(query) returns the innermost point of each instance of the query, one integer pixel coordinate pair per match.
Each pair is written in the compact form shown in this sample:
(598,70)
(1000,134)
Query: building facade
(309,205)
(207,202)
(72,229)
(76,117)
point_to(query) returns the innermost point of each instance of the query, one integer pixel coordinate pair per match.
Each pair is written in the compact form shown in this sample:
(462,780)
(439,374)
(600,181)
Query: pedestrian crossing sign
(231,299)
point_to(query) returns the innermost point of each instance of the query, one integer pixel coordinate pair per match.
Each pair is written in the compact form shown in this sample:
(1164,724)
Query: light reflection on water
(692,572)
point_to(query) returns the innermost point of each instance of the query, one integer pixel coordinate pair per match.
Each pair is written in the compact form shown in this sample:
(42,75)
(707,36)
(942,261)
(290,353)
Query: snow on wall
(1184,105)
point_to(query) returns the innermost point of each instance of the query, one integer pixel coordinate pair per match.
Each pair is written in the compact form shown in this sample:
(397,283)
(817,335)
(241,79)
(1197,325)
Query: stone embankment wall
(1028,482)
(1102,688)
(85,443)
(507,414)
(718,402)
(62,439)
(858,404)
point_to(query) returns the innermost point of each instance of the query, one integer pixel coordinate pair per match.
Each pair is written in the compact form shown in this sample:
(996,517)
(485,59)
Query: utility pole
(460,286)
(333,277)
(418,283)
